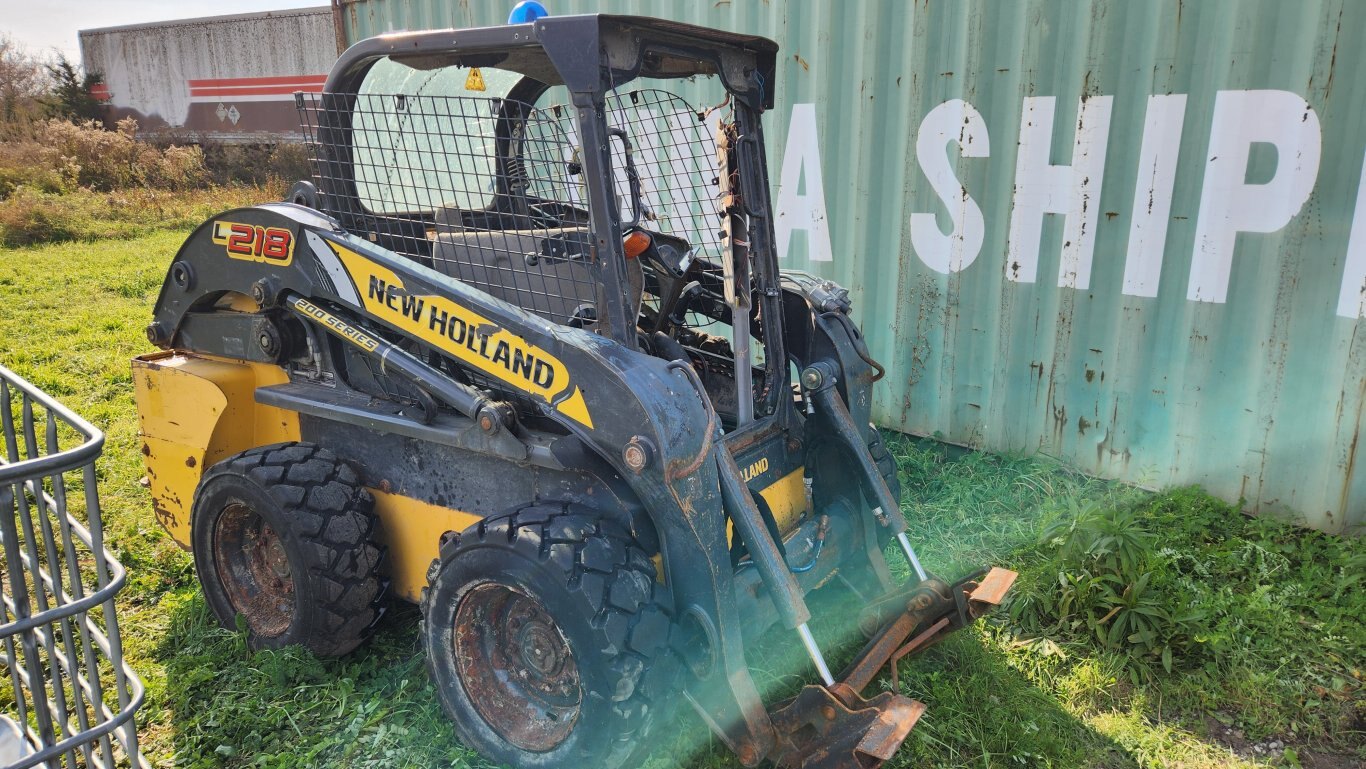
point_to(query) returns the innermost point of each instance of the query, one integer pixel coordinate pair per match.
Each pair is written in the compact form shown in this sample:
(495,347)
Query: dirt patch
(1277,750)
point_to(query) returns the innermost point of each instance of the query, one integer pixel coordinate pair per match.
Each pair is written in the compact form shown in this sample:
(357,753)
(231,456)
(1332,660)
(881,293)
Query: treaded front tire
(547,637)
(886,463)
(284,536)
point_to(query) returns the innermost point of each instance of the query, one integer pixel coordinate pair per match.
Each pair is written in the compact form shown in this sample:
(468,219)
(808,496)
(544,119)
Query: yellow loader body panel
(193,411)
(196,410)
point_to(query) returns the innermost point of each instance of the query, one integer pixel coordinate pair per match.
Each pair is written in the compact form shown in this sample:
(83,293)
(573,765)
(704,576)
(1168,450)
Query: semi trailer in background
(222,78)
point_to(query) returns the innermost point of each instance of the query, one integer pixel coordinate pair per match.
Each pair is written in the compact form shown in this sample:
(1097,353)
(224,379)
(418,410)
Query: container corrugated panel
(223,78)
(1130,235)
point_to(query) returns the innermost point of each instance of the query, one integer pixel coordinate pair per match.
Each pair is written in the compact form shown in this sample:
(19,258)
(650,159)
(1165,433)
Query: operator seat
(495,261)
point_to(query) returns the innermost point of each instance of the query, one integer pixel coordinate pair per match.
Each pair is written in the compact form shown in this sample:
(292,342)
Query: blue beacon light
(526,12)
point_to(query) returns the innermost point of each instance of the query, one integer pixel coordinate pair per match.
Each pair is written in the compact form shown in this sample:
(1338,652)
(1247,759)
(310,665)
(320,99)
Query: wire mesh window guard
(424,176)
(491,191)
(67,698)
(674,148)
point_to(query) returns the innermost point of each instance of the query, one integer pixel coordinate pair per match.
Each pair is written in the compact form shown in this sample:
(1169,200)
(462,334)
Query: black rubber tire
(325,524)
(599,587)
(886,463)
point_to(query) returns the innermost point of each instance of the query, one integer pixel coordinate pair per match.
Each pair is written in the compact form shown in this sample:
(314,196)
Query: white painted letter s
(954,121)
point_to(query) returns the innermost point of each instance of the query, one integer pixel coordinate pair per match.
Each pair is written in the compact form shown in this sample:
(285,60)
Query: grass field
(1263,627)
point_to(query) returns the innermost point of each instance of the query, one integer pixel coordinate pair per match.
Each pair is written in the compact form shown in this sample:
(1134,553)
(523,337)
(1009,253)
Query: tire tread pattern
(331,517)
(612,581)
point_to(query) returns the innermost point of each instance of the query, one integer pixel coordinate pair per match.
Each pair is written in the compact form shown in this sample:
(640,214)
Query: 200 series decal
(466,335)
(273,245)
(338,326)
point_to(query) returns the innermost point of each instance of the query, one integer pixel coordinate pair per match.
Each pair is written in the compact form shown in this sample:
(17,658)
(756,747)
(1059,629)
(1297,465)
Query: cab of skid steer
(471,162)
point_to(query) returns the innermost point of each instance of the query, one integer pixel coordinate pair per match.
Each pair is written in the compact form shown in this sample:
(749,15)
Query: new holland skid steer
(522,353)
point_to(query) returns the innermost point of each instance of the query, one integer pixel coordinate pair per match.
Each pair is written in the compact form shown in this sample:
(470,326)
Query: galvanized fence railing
(67,698)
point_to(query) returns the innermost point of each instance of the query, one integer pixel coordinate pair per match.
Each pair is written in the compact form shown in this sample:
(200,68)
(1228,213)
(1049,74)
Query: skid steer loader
(521,353)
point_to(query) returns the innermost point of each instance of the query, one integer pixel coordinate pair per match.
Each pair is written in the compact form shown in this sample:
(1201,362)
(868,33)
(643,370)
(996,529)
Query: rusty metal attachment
(834,726)
(992,589)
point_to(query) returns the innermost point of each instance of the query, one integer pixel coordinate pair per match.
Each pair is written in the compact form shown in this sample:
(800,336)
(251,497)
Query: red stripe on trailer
(249,81)
(270,90)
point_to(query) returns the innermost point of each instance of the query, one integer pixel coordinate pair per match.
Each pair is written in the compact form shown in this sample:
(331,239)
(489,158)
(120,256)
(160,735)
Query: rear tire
(547,637)
(284,536)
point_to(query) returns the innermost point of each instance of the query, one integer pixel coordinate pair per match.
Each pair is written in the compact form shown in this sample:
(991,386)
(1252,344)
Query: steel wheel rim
(253,568)
(516,667)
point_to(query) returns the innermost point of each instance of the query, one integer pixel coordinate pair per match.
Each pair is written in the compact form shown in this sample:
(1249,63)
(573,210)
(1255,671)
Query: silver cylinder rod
(815,652)
(910,556)
(744,371)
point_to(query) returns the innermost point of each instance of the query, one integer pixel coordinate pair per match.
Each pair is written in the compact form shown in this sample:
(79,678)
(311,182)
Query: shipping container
(222,78)
(1128,234)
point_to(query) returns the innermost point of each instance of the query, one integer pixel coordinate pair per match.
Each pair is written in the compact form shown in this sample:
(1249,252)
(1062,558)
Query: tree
(23,83)
(70,96)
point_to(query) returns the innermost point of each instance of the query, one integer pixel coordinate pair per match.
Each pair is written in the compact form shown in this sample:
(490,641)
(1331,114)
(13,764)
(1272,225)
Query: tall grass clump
(1205,608)
(1110,588)
(62,156)
(66,181)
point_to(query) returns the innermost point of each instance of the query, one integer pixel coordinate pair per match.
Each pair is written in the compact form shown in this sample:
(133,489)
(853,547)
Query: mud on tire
(284,536)
(547,637)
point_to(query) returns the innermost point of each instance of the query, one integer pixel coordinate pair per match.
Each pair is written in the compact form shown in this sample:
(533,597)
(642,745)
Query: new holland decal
(465,335)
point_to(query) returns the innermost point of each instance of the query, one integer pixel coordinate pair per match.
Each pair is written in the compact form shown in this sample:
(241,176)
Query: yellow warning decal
(475,80)
(467,336)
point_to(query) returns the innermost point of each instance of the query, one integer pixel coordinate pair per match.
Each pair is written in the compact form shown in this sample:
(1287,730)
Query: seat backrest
(496,261)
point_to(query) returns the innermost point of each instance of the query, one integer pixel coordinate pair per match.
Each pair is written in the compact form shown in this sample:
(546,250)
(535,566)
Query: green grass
(30,216)
(1279,656)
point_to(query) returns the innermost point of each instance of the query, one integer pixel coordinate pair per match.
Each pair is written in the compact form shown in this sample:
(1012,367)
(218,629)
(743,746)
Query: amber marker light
(635,243)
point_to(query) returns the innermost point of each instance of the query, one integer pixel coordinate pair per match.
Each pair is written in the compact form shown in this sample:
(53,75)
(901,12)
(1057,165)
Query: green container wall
(1216,158)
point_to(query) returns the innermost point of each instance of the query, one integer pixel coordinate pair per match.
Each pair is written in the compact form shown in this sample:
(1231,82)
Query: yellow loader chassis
(197,410)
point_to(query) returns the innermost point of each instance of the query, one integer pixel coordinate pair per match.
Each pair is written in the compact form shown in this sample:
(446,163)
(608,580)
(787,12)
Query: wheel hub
(253,567)
(541,651)
(516,666)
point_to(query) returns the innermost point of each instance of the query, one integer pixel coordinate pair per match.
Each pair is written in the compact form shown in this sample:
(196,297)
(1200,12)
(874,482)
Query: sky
(43,25)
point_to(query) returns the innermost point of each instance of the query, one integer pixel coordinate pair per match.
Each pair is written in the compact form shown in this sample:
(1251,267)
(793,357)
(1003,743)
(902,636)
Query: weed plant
(66,181)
